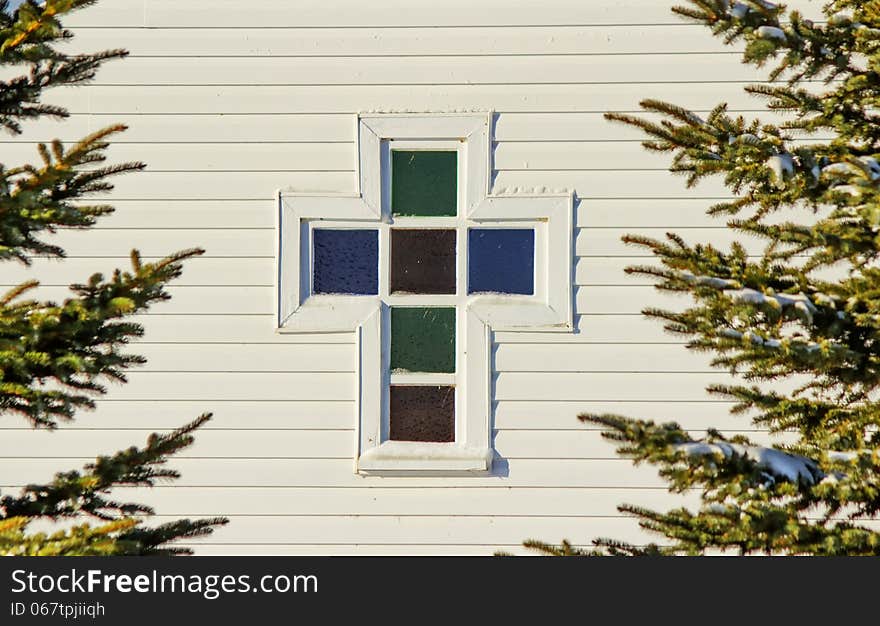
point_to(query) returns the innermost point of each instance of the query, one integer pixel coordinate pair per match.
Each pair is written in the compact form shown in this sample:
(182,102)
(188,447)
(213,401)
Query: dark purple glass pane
(422,260)
(501,260)
(422,413)
(346,261)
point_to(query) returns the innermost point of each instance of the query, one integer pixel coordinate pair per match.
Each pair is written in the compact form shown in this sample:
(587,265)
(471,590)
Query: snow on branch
(752,338)
(771,32)
(775,463)
(800,302)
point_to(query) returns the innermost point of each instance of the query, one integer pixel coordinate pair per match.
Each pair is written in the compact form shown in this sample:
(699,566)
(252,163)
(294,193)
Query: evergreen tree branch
(55,359)
(792,310)
(78,343)
(84,540)
(74,494)
(35,200)
(27,38)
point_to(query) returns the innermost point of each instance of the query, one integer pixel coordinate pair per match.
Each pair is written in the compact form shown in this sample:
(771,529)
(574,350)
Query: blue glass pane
(501,260)
(346,261)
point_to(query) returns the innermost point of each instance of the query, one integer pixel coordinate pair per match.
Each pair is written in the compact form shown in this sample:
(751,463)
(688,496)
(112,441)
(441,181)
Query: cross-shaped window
(424,264)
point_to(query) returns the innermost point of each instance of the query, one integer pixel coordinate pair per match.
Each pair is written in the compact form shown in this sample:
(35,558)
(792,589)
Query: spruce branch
(79,343)
(74,492)
(57,358)
(547,549)
(36,200)
(83,540)
(791,308)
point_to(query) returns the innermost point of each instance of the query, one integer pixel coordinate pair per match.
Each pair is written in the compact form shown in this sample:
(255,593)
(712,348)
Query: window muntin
(423,266)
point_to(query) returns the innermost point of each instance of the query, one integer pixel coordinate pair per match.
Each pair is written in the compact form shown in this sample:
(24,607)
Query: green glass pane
(424,183)
(423,339)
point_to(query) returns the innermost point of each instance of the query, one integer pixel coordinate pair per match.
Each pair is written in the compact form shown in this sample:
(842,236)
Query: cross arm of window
(552,309)
(297,309)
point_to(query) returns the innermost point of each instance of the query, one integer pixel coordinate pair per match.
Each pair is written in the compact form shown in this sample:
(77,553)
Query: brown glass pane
(422,260)
(422,413)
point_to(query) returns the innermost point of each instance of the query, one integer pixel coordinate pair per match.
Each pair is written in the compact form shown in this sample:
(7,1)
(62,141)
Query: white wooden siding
(228,101)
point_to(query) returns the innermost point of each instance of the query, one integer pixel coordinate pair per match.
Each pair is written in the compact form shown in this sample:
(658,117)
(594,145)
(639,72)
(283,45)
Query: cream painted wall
(228,101)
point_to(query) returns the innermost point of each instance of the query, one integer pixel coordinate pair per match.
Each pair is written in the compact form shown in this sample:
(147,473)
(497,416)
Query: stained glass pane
(501,260)
(422,261)
(422,413)
(346,261)
(423,339)
(424,183)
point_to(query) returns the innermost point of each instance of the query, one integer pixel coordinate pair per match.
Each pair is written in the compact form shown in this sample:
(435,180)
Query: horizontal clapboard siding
(262,414)
(257,242)
(536,41)
(324,128)
(393,13)
(339,157)
(228,102)
(129,100)
(248,300)
(439,501)
(409,530)
(619,213)
(315,473)
(422,70)
(298,444)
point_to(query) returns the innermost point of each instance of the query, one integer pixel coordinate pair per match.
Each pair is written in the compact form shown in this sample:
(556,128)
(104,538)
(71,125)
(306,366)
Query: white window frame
(549,309)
